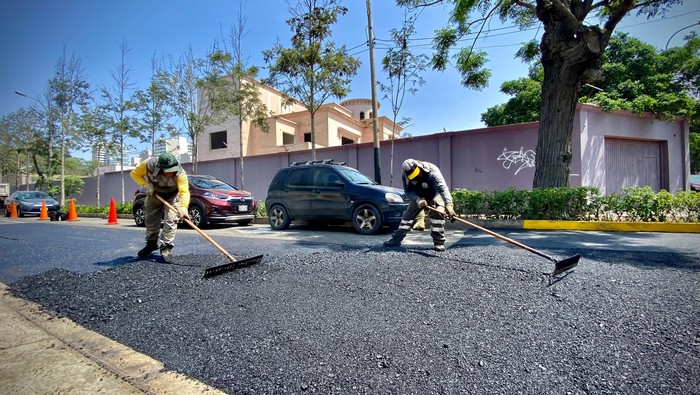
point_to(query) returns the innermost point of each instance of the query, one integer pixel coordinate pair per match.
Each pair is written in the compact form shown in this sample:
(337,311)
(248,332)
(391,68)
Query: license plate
(243,208)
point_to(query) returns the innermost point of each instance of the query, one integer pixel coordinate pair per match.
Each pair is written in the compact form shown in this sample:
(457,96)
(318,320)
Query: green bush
(261,211)
(579,203)
(120,208)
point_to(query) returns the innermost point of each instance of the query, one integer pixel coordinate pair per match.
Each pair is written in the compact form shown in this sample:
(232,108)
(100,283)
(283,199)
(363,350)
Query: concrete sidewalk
(43,354)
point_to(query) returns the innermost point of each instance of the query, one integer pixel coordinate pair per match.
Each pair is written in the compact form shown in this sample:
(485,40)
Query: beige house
(349,122)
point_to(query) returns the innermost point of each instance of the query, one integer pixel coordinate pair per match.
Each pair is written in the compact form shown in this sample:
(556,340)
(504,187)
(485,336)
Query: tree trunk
(313,135)
(240,144)
(570,57)
(559,97)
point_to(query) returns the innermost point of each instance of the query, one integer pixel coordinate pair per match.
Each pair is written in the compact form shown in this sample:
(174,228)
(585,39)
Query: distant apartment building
(177,146)
(110,160)
(349,122)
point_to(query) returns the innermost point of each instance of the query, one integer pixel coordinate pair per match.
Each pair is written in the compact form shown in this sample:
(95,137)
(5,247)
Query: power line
(511,27)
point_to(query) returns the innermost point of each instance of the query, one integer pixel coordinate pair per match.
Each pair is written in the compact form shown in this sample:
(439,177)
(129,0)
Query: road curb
(139,373)
(612,226)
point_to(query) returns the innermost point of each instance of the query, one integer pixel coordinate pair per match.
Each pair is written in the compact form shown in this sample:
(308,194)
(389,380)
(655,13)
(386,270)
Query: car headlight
(393,197)
(212,195)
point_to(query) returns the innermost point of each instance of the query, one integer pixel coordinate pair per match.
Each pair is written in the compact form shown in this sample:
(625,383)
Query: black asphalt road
(331,312)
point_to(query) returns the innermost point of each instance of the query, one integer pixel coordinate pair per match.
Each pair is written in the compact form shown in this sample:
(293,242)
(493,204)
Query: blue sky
(33,34)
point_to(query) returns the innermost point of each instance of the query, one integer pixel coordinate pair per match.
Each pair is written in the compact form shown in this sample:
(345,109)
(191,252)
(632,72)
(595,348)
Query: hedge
(579,204)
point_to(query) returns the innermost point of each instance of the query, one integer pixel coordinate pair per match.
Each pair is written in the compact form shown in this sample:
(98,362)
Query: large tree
(313,69)
(94,126)
(120,108)
(69,91)
(232,86)
(151,104)
(403,69)
(571,49)
(635,76)
(183,78)
(22,148)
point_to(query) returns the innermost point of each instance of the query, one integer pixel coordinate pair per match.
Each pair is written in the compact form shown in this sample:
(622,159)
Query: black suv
(329,191)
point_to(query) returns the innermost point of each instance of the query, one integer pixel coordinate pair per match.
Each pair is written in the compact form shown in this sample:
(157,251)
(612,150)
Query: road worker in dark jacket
(424,186)
(164,177)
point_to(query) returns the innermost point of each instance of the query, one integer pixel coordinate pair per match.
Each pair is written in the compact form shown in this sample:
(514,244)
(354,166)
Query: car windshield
(355,176)
(34,195)
(695,178)
(210,183)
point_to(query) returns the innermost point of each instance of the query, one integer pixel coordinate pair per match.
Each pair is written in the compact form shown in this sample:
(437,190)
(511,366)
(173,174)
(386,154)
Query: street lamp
(25,95)
(678,31)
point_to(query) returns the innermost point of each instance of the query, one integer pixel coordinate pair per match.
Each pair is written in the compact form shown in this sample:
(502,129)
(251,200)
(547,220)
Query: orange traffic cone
(72,215)
(44,212)
(112,220)
(13,210)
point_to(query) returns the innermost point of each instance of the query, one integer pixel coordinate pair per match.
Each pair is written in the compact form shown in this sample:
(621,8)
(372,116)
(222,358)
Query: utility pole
(377,165)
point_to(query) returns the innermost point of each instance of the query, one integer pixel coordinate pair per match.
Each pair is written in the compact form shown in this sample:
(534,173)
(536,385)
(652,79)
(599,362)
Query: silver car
(30,202)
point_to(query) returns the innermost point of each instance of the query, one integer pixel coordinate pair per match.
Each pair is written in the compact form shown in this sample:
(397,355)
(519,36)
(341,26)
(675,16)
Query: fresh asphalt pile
(473,319)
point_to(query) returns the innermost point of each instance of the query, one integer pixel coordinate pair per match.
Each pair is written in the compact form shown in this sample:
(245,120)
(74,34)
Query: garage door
(632,163)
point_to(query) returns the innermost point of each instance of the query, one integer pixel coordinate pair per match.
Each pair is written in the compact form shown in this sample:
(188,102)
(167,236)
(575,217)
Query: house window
(307,137)
(287,138)
(218,140)
(345,141)
(362,115)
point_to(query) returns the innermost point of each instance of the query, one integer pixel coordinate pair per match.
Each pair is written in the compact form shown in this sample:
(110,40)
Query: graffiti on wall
(522,159)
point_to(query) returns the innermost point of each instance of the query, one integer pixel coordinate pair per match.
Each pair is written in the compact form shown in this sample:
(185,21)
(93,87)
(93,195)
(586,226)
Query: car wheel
(367,219)
(244,223)
(279,218)
(139,214)
(197,215)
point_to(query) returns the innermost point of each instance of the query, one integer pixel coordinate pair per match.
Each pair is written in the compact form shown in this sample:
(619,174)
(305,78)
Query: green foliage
(635,77)
(152,107)
(470,203)
(233,91)
(73,185)
(579,204)
(261,211)
(313,69)
(694,152)
(120,208)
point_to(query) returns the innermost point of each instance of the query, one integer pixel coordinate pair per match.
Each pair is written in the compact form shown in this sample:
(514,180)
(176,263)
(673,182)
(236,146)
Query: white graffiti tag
(524,158)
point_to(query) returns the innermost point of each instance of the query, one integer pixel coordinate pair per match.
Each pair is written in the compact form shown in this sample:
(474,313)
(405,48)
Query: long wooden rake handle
(209,239)
(494,234)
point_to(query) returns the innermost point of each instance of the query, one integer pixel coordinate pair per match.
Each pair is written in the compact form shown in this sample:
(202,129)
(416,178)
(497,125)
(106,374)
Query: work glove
(421,203)
(450,209)
(182,213)
(148,188)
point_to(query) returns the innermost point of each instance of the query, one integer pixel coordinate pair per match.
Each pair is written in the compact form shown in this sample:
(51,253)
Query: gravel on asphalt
(473,319)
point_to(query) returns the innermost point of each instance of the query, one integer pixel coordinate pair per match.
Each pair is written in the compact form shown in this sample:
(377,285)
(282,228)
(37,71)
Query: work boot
(393,242)
(148,249)
(439,247)
(165,251)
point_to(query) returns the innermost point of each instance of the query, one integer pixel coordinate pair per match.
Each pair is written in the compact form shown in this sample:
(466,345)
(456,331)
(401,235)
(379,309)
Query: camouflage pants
(437,220)
(153,212)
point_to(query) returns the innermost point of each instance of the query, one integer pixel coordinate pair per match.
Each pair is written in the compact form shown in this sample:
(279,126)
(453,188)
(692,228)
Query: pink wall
(481,159)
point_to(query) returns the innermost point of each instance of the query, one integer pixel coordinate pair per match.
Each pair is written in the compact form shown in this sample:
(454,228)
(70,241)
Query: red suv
(211,201)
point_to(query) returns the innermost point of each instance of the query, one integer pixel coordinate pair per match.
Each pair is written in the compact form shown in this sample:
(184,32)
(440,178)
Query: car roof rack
(313,162)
